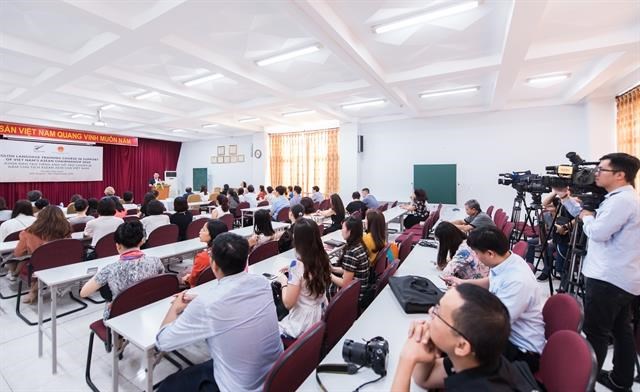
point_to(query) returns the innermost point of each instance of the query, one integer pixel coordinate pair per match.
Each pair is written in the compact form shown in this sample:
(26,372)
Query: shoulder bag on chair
(414,293)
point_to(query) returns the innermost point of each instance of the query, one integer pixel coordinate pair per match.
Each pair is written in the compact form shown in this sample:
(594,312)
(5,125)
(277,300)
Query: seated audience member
(262,229)
(250,197)
(241,198)
(475,219)
(127,197)
(222,208)
(105,223)
(309,207)
(455,257)
(234,200)
(225,189)
(155,217)
(50,225)
(317,196)
(133,266)
(375,238)
(155,192)
(81,206)
(21,218)
(121,212)
(208,233)
(182,217)
(243,185)
(5,213)
(70,207)
(511,280)
(109,191)
(417,209)
(355,204)
(187,192)
(471,326)
(271,195)
(297,195)
(236,316)
(34,195)
(336,212)
(303,292)
(285,242)
(204,193)
(262,193)
(93,206)
(148,197)
(279,202)
(368,199)
(290,194)
(354,263)
(39,205)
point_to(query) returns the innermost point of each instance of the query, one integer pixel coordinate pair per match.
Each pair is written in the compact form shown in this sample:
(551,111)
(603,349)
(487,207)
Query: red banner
(34,131)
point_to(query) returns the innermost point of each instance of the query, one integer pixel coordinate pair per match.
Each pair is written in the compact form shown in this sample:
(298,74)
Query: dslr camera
(371,354)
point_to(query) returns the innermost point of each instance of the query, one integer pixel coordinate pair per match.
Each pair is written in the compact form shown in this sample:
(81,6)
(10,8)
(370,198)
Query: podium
(164,192)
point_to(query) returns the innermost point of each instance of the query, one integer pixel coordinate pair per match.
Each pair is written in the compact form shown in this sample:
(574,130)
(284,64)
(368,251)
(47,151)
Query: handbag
(281,310)
(415,293)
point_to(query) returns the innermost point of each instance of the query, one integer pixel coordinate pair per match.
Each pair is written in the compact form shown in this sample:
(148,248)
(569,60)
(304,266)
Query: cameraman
(612,268)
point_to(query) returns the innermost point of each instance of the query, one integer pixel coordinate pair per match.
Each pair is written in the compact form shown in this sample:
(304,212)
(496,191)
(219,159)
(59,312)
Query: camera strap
(344,368)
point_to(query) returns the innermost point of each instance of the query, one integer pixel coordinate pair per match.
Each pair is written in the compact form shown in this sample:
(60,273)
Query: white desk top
(254,209)
(8,247)
(393,213)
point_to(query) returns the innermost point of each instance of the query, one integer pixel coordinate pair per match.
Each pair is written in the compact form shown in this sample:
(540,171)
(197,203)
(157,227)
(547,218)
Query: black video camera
(371,354)
(580,176)
(524,181)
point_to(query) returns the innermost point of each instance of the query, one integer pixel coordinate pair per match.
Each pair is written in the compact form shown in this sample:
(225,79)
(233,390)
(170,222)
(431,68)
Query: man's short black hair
(355,195)
(315,188)
(41,203)
(240,191)
(34,195)
(129,234)
(281,189)
(628,164)
(188,189)
(179,205)
(269,189)
(106,207)
(230,253)
(80,205)
(297,189)
(484,321)
(155,207)
(127,196)
(365,190)
(250,188)
(488,238)
(23,207)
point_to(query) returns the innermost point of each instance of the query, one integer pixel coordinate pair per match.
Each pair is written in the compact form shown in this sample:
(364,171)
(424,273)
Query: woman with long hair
(354,263)
(417,209)
(285,242)
(455,257)
(222,209)
(375,238)
(208,233)
(336,212)
(303,292)
(21,217)
(262,228)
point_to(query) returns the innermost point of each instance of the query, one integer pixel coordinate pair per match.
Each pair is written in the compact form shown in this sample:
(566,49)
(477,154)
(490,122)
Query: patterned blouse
(354,260)
(421,208)
(465,264)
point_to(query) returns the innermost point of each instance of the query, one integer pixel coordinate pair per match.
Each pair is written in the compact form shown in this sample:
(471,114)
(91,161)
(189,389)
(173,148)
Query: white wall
(601,127)
(482,145)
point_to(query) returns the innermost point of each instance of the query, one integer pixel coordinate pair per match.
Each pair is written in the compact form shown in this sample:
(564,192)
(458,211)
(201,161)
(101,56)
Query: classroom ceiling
(62,61)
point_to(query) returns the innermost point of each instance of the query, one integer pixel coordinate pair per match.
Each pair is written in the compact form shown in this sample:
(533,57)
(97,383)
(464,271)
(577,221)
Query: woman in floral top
(417,209)
(354,263)
(463,262)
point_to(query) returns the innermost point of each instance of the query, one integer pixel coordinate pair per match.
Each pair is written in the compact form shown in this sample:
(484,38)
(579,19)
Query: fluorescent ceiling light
(147,95)
(78,115)
(544,79)
(298,113)
(203,79)
(439,93)
(357,105)
(426,17)
(248,119)
(178,131)
(107,106)
(100,123)
(209,125)
(288,55)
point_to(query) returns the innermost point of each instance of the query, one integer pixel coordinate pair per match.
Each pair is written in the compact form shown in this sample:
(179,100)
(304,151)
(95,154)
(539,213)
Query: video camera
(524,181)
(580,176)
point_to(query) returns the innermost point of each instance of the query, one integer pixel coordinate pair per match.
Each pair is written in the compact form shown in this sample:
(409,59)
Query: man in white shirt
(81,206)
(612,268)
(128,204)
(104,224)
(237,318)
(21,218)
(250,197)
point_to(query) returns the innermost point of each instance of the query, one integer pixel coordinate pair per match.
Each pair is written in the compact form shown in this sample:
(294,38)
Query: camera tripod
(572,281)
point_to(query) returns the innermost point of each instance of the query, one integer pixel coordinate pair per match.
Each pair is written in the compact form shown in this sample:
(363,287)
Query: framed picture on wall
(214,159)
(220,159)
(220,150)
(233,149)
(240,158)
(234,158)
(227,159)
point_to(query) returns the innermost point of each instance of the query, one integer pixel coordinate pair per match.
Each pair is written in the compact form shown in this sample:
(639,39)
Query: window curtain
(124,168)
(628,124)
(306,159)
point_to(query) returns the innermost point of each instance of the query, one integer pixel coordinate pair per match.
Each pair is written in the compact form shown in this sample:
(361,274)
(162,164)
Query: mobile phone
(92,270)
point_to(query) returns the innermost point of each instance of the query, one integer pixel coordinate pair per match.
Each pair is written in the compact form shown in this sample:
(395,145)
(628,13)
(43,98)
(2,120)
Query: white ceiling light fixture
(209,125)
(178,130)
(107,106)
(426,17)
(147,95)
(248,119)
(203,79)
(358,105)
(78,115)
(456,91)
(289,55)
(298,113)
(547,79)
(99,122)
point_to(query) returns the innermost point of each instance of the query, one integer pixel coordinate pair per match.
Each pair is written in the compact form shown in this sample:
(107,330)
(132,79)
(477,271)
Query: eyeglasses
(599,169)
(435,310)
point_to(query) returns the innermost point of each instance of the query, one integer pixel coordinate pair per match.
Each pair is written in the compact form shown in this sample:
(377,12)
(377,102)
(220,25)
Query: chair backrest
(325,204)
(380,263)
(405,247)
(163,235)
(384,278)
(263,203)
(520,248)
(228,220)
(340,314)
(195,211)
(193,230)
(383,207)
(395,203)
(498,212)
(297,362)
(77,227)
(507,229)
(194,198)
(56,253)
(132,211)
(561,312)
(357,214)
(430,222)
(283,215)
(490,211)
(143,293)
(243,205)
(15,236)
(567,363)
(131,218)
(263,251)
(106,246)
(205,276)
(500,219)
(316,205)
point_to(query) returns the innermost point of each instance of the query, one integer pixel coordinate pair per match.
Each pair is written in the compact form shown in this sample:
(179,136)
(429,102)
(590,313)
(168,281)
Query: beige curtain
(628,124)
(306,159)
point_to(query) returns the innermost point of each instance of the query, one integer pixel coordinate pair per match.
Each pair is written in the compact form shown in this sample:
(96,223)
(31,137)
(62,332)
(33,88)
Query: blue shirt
(613,250)
(513,282)
(317,197)
(370,201)
(237,318)
(279,203)
(295,200)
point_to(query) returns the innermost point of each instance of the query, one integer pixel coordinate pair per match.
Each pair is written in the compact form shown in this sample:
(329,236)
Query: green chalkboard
(199,178)
(438,180)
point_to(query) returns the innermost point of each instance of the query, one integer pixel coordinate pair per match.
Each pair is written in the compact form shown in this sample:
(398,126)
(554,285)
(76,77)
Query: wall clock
(257,154)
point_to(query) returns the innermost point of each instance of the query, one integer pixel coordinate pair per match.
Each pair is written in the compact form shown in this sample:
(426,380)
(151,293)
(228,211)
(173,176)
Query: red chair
(384,278)
(507,229)
(383,207)
(316,206)
(228,220)
(163,235)
(489,211)
(78,227)
(357,214)
(500,219)
(136,296)
(297,362)
(132,211)
(520,248)
(195,212)
(567,363)
(395,203)
(283,215)
(380,262)
(263,203)
(205,276)
(325,204)
(15,236)
(50,255)
(405,248)
(193,230)
(106,246)
(131,218)
(340,314)
(561,312)
(498,212)
(263,251)
(237,215)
